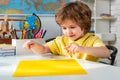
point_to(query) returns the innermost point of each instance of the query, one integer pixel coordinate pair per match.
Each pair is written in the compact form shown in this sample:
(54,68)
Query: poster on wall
(30,6)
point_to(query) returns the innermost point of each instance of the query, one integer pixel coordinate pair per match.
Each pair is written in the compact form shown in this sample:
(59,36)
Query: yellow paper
(48,68)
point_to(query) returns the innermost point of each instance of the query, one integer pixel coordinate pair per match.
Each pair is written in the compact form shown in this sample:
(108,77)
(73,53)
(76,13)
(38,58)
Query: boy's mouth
(71,35)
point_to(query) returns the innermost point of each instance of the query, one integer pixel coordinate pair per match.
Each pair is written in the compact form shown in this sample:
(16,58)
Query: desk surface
(96,71)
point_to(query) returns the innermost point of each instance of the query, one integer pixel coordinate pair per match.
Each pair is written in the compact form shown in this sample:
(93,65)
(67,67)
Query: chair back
(114,51)
(110,60)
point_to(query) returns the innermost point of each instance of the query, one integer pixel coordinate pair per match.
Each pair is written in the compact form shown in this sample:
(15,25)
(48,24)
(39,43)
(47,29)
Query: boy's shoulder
(91,35)
(61,37)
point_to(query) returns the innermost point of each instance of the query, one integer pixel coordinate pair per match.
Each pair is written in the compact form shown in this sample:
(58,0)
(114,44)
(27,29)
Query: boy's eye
(72,27)
(63,28)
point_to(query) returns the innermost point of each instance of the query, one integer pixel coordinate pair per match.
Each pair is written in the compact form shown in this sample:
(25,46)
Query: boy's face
(71,30)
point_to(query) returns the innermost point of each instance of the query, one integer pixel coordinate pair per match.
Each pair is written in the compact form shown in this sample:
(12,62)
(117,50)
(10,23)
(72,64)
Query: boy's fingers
(66,47)
(27,45)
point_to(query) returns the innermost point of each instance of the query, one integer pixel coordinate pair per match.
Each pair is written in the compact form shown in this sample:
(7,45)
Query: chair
(112,57)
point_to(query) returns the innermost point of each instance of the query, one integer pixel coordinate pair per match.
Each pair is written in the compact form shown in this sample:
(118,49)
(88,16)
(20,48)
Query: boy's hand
(72,48)
(27,45)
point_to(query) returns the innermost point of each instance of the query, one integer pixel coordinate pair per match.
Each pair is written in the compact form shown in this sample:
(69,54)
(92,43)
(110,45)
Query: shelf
(101,15)
(11,19)
(105,18)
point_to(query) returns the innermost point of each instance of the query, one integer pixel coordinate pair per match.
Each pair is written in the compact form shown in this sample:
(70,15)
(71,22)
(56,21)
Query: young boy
(75,20)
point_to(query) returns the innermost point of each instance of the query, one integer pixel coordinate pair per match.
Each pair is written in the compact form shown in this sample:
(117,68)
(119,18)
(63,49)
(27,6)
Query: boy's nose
(68,31)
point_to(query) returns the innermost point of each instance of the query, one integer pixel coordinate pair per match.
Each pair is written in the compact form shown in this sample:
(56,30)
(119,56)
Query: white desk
(96,71)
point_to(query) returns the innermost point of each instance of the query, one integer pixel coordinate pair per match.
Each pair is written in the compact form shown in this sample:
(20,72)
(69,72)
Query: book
(7,50)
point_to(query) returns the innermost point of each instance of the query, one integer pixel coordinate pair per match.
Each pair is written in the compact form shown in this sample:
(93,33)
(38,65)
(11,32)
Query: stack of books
(7,50)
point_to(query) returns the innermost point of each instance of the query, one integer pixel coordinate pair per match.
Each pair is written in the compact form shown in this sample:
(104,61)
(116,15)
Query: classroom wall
(115,27)
(49,23)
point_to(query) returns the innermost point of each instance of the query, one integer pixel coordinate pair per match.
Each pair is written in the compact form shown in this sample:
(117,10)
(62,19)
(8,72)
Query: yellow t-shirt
(89,40)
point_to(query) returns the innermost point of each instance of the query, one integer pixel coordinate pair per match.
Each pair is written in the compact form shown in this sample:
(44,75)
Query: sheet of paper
(48,68)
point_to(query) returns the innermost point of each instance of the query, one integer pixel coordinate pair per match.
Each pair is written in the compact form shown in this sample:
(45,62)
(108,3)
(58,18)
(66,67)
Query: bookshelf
(101,18)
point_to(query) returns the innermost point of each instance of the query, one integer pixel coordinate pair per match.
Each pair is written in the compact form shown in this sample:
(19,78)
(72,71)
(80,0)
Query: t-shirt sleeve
(98,42)
(53,46)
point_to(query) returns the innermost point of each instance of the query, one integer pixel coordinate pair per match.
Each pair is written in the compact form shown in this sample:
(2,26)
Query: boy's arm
(40,48)
(36,47)
(100,52)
